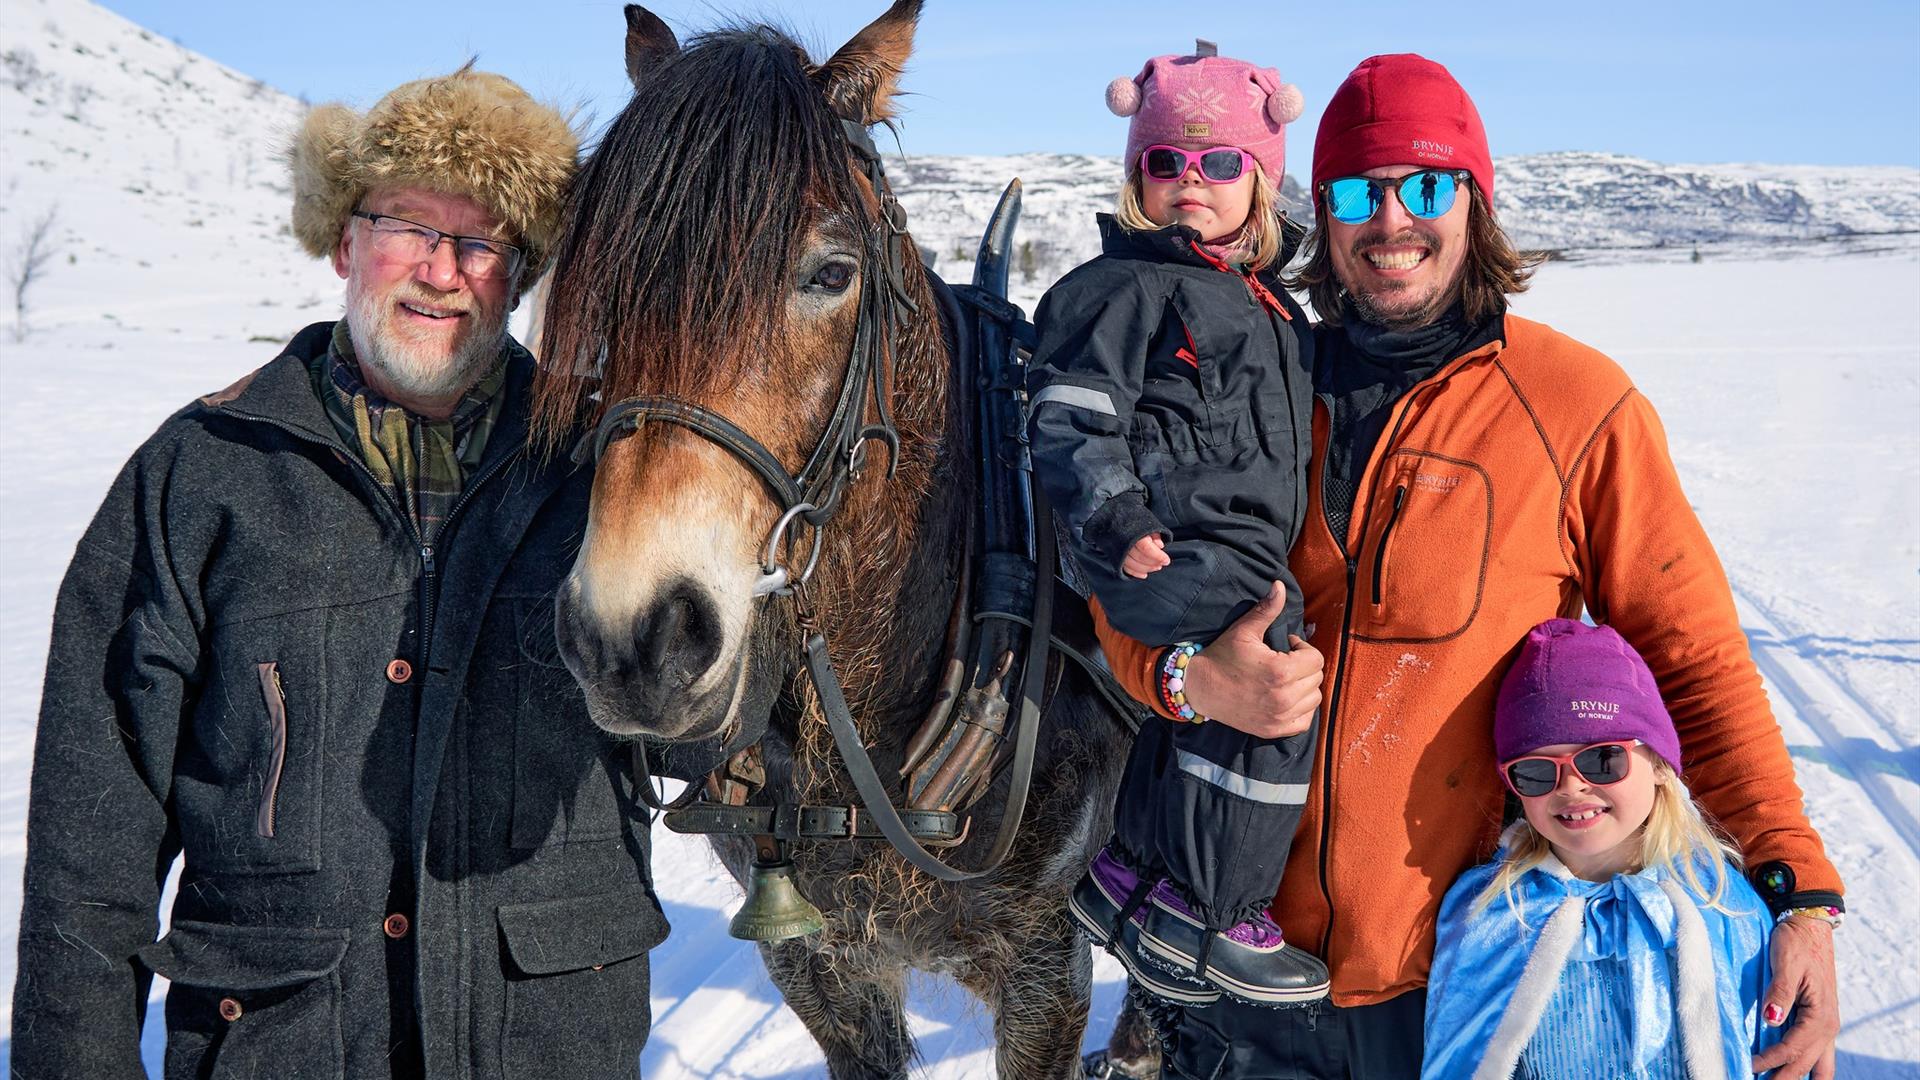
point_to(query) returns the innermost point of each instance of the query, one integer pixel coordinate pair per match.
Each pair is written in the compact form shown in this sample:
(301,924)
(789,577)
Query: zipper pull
(1380,552)
(426,558)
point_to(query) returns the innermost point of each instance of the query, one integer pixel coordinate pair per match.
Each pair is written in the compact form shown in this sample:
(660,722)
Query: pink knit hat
(1206,100)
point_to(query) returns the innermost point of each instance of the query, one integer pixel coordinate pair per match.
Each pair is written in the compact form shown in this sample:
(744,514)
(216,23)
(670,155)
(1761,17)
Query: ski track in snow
(1852,730)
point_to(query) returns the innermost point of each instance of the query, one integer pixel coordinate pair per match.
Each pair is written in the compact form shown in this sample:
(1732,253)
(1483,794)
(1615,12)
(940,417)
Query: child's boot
(1109,903)
(1249,961)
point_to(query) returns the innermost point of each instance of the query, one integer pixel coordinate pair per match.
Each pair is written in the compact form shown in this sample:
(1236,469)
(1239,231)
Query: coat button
(396,925)
(230,1010)
(399,671)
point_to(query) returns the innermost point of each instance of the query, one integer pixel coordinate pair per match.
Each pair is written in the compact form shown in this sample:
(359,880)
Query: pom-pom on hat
(1207,100)
(1401,109)
(1574,683)
(471,133)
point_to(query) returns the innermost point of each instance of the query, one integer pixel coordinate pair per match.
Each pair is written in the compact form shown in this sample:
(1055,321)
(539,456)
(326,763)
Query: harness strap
(787,822)
(866,780)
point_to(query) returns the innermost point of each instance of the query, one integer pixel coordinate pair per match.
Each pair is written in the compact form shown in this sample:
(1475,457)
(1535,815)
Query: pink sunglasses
(1220,165)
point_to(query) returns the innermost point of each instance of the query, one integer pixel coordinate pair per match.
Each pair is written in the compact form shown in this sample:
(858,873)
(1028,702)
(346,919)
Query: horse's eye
(832,277)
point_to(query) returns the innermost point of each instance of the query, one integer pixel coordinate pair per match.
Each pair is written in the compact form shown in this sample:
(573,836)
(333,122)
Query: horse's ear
(648,39)
(861,78)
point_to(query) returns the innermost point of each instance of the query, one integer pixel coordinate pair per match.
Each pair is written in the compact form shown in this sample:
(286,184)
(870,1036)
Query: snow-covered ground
(1790,388)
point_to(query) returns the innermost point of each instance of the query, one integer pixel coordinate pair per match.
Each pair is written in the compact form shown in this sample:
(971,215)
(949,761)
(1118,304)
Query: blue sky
(1678,80)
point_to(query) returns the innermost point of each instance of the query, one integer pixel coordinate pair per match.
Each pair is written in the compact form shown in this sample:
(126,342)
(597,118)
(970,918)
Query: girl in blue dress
(1612,934)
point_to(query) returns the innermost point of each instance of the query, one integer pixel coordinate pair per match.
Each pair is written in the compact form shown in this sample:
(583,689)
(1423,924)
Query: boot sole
(1095,914)
(1181,962)
(1174,961)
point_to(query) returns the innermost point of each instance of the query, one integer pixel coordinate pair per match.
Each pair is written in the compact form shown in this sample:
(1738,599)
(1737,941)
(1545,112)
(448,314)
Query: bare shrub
(27,264)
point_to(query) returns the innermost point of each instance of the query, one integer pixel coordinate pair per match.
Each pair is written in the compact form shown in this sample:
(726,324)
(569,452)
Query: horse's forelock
(684,221)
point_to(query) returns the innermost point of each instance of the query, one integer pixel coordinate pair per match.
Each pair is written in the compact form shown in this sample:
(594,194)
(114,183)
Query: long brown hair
(1494,268)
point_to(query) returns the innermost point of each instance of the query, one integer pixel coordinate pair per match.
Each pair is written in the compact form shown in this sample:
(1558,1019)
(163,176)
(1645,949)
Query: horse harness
(961,744)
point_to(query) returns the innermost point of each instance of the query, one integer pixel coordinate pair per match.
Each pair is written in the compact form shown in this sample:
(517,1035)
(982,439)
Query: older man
(1474,473)
(307,645)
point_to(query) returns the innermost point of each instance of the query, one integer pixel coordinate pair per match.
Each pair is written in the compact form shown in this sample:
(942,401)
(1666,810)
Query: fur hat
(1207,100)
(471,133)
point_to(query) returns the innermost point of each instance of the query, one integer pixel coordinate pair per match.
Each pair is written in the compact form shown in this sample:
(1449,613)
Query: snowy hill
(1584,206)
(173,274)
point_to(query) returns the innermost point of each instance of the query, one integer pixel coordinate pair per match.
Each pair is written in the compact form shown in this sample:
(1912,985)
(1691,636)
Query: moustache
(1407,237)
(412,293)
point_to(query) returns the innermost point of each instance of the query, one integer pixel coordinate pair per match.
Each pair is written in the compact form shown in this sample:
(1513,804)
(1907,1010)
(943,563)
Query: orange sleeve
(1134,662)
(1648,570)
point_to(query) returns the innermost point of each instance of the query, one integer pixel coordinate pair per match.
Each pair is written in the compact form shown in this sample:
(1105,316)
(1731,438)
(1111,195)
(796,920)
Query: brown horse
(718,250)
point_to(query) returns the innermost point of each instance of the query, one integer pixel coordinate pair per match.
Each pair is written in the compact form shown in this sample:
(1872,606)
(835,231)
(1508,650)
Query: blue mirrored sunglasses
(1427,194)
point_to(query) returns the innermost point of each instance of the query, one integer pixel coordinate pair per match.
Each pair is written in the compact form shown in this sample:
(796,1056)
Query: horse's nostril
(679,638)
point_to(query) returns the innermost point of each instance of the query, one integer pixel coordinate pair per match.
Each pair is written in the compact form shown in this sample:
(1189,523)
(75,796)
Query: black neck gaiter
(1365,370)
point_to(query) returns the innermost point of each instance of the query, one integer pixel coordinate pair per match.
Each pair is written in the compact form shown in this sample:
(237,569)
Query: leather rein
(815,495)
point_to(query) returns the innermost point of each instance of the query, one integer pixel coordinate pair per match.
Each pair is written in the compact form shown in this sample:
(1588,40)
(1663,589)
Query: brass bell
(774,910)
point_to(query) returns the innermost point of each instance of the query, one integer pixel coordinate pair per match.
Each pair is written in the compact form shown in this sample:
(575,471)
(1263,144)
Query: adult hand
(1239,682)
(1804,990)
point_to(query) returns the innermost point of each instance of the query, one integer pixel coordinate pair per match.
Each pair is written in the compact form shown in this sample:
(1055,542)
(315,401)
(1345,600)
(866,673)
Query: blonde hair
(1674,836)
(1260,237)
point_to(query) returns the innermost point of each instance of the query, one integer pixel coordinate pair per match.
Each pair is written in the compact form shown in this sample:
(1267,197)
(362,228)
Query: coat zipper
(1340,661)
(1380,553)
(275,693)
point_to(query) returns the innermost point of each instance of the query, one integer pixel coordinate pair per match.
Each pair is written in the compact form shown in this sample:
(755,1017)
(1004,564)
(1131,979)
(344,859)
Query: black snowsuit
(1170,396)
(408,852)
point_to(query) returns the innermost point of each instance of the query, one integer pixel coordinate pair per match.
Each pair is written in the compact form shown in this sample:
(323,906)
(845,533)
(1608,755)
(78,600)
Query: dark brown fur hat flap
(470,133)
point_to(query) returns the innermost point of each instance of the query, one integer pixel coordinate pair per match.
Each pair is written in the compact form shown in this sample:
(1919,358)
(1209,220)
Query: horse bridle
(814,494)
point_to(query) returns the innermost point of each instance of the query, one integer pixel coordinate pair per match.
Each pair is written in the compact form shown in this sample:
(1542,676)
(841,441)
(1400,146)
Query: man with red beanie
(1473,473)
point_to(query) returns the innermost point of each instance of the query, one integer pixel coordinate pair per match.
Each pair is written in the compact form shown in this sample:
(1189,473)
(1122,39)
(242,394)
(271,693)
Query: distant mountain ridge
(158,158)
(1575,204)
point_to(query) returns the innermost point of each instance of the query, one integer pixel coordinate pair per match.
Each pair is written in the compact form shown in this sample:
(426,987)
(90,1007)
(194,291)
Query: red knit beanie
(1401,109)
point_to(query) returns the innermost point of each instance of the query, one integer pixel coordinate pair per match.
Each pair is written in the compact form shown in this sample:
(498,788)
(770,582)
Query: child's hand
(1149,553)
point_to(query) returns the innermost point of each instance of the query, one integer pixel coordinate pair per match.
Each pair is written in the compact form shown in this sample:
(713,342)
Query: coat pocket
(1424,566)
(249,775)
(577,981)
(567,773)
(251,1001)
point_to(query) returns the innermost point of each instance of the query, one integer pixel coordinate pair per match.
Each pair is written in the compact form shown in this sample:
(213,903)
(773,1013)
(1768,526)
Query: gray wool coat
(407,850)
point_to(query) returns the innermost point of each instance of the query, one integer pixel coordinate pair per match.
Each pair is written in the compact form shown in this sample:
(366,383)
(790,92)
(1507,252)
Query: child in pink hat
(1172,405)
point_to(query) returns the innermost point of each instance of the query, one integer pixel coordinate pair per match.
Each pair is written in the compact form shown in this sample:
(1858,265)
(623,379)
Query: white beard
(416,369)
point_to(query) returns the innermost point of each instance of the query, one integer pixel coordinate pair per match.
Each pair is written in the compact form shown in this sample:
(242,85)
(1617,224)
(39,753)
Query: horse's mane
(679,237)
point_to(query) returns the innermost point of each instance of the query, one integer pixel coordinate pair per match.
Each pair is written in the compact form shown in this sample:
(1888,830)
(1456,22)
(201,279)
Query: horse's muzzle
(651,676)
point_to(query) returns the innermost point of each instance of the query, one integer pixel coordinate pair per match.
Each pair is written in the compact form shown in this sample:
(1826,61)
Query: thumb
(1261,615)
(1779,999)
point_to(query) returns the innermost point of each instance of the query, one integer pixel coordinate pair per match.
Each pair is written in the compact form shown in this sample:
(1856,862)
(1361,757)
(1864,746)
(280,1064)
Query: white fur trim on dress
(1536,986)
(1697,1012)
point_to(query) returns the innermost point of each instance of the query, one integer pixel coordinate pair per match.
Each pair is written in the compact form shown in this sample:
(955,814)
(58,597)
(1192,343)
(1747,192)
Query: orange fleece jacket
(1529,476)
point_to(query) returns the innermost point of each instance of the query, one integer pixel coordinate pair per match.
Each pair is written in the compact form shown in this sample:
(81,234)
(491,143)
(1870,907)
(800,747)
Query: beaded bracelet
(1832,916)
(1173,682)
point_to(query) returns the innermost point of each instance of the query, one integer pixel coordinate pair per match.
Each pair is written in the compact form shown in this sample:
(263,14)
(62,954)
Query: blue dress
(1632,978)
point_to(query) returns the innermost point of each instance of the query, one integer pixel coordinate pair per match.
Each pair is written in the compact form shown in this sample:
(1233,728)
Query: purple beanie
(1205,100)
(1575,683)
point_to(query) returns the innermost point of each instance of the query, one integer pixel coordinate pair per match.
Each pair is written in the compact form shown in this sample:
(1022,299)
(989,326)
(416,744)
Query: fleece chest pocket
(566,772)
(248,785)
(1430,537)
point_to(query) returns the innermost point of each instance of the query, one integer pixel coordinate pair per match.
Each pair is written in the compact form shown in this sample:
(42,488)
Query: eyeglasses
(1220,165)
(1602,765)
(1427,194)
(477,256)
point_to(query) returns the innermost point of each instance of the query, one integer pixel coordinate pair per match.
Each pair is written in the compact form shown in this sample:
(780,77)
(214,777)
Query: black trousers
(1211,808)
(1214,810)
(1234,1041)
